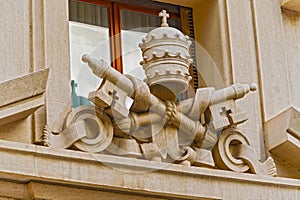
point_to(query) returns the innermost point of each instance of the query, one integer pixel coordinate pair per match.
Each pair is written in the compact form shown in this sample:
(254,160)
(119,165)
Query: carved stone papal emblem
(199,131)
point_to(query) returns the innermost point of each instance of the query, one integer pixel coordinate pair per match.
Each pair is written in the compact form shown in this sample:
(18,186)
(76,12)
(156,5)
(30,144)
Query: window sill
(27,163)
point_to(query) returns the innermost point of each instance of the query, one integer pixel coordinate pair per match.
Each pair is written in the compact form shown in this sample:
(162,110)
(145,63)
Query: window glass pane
(143,22)
(131,53)
(89,34)
(134,27)
(88,13)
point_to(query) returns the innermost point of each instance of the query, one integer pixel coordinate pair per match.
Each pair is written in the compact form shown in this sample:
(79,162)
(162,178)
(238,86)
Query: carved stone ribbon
(66,138)
(87,127)
(234,152)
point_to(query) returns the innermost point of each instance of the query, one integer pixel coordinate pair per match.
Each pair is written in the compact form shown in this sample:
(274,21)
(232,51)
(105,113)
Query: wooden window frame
(143,6)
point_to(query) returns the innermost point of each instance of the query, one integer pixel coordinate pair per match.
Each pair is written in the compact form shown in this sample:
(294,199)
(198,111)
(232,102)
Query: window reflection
(134,27)
(89,34)
(87,39)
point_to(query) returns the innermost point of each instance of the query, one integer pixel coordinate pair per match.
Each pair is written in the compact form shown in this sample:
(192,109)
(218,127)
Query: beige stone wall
(244,65)
(291,26)
(211,36)
(56,33)
(35,36)
(15,54)
(271,57)
(15,39)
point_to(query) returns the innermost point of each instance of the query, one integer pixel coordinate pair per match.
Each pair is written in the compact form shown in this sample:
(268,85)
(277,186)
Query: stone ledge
(29,163)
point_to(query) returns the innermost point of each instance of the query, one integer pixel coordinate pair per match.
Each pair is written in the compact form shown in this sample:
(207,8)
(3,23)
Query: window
(111,30)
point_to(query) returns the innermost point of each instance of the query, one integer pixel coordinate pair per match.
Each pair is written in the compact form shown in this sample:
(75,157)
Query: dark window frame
(143,6)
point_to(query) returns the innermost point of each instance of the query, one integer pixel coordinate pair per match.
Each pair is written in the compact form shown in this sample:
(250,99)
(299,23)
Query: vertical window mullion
(116,38)
(111,35)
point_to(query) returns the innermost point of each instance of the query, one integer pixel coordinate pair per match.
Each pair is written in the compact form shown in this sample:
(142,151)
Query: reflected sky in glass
(132,54)
(92,40)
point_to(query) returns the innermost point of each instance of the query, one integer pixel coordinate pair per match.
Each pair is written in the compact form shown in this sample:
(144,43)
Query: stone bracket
(20,111)
(282,136)
(22,96)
